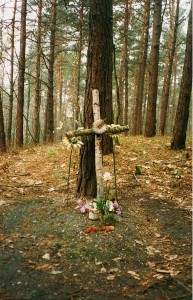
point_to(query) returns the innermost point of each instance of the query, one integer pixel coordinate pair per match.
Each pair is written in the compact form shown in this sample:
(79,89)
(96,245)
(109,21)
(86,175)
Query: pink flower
(80,203)
(84,207)
(117,207)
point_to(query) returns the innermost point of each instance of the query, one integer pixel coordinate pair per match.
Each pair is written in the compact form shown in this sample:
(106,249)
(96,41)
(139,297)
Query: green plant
(138,170)
(109,219)
(107,204)
(51,154)
(102,205)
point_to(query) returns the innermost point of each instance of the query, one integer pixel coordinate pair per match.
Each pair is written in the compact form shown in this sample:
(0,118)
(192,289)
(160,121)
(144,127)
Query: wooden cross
(98,129)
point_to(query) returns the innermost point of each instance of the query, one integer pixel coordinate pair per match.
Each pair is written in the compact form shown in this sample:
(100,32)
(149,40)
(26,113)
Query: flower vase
(93,215)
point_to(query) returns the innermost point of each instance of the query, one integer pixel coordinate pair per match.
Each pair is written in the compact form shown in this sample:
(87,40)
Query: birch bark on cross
(98,145)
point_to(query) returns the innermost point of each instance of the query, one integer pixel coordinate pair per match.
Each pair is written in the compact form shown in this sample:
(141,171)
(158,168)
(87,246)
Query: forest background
(52,52)
(138,55)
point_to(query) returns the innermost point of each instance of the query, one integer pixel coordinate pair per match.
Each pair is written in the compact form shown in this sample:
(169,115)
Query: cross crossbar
(111,129)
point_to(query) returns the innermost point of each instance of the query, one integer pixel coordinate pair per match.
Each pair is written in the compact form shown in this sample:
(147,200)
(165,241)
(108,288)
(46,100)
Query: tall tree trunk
(118,104)
(60,88)
(174,96)
(169,65)
(142,59)
(21,77)
(2,130)
(10,112)
(150,126)
(27,113)
(99,76)
(37,100)
(126,28)
(182,114)
(49,115)
(123,73)
(77,106)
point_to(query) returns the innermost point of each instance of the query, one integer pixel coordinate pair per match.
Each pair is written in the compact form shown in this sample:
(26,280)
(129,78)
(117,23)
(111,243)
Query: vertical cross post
(98,144)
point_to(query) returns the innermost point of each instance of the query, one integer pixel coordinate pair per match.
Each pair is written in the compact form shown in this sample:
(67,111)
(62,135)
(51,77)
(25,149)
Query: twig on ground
(180,297)
(186,288)
(136,178)
(16,175)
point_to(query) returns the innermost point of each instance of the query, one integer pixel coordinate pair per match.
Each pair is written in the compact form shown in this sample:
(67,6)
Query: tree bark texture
(99,76)
(118,104)
(111,129)
(21,77)
(77,106)
(169,66)
(182,114)
(150,125)
(98,145)
(123,73)
(49,117)
(10,113)
(37,100)
(142,59)
(2,130)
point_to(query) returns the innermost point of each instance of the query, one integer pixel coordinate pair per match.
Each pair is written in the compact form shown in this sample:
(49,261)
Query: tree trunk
(174,96)
(123,73)
(99,76)
(37,100)
(2,130)
(182,114)
(77,107)
(142,59)
(27,113)
(49,115)
(10,112)
(118,104)
(21,77)
(150,126)
(169,65)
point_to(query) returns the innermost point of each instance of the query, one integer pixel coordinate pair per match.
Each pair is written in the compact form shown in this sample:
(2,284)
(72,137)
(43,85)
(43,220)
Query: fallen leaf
(21,190)
(38,182)
(133,274)
(172,257)
(111,277)
(151,250)
(54,272)
(108,228)
(43,266)
(158,276)
(172,272)
(91,229)
(114,270)
(103,270)
(117,259)
(98,263)
(46,256)
(157,235)
(2,202)
(150,264)
(139,242)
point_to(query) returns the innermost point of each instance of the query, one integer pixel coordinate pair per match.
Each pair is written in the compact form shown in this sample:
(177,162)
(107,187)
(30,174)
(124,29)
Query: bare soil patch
(45,253)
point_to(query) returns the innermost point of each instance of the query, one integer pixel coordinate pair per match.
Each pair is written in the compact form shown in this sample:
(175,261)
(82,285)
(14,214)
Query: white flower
(72,143)
(107,176)
(99,126)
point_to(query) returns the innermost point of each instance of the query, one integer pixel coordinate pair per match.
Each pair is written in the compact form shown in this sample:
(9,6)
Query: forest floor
(45,252)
